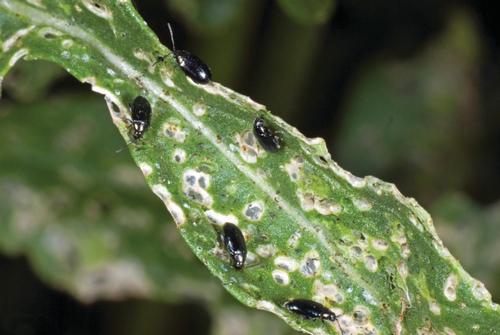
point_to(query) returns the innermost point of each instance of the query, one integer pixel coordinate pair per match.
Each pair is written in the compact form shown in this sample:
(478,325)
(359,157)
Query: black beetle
(234,242)
(141,116)
(310,309)
(192,66)
(266,136)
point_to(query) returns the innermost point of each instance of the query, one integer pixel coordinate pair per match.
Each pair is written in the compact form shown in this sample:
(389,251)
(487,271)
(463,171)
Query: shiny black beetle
(310,309)
(141,116)
(234,242)
(266,136)
(192,66)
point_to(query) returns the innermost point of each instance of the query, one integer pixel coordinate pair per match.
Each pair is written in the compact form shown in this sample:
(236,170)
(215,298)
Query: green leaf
(309,11)
(313,230)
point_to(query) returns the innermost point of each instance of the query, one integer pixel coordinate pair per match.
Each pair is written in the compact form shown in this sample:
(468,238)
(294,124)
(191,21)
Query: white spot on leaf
(195,184)
(355,182)
(400,239)
(327,293)
(9,42)
(199,109)
(360,315)
(416,223)
(449,331)
(17,55)
(362,204)
(266,250)
(265,306)
(281,277)
(174,209)
(450,287)
(37,3)
(166,77)
(369,297)
(247,147)
(98,9)
(228,94)
(253,211)
(49,32)
(220,253)
(145,56)
(174,131)
(442,251)
(115,107)
(371,263)
(403,270)
(355,251)
(286,263)
(85,58)
(405,250)
(434,307)
(294,168)
(310,264)
(480,292)
(309,202)
(219,218)
(146,169)
(251,258)
(293,241)
(380,245)
(67,43)
(179,156)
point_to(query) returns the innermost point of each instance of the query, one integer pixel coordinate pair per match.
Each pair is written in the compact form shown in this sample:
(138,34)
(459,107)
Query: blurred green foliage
(471,233)
(406,117)
(32,81)
(208,15)
(308,12)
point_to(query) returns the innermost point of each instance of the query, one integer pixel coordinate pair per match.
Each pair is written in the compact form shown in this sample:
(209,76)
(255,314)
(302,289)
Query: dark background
(407,91)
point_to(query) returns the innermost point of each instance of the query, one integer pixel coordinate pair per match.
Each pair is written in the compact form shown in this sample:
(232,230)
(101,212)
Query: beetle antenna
(123,147)
(128,142)
(117,151)
(338,324)
(341,330)
(171,35)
